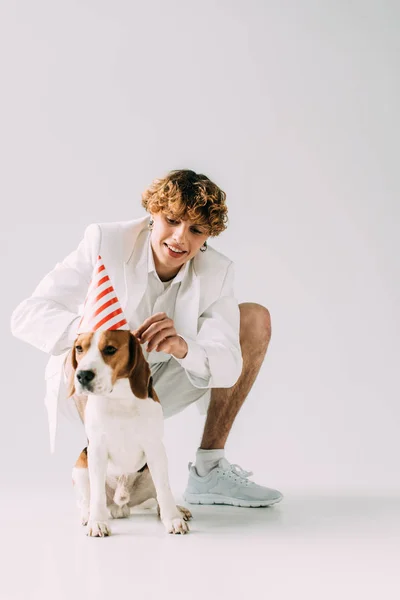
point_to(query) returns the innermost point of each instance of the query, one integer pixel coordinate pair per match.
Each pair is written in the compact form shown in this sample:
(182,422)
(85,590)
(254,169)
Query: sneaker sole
(217,499)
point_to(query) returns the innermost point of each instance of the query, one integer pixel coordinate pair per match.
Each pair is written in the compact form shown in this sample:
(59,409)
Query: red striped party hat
(102,309)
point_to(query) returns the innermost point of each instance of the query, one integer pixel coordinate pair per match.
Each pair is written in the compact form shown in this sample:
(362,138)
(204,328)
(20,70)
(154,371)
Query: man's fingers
(153,319)
(159,337)
(154,328)
(164,345)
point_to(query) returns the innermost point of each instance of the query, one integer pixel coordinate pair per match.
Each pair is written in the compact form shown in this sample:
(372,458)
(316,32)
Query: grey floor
(314,546)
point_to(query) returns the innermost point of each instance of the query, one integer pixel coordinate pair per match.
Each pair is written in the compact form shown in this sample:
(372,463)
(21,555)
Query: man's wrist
(182,352)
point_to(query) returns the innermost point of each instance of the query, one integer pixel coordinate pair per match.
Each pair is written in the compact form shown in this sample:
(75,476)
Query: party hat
(102,309)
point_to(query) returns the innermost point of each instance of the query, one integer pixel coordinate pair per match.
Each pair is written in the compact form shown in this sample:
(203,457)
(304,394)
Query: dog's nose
(85,377)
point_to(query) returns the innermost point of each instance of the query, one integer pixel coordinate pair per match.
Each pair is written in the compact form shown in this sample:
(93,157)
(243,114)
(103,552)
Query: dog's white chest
(123,427)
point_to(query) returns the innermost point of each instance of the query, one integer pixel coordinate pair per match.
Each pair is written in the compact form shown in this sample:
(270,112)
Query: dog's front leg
(170,515)
(98,514)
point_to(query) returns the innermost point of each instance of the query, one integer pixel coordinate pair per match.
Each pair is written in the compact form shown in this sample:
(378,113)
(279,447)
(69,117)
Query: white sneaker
(228,484)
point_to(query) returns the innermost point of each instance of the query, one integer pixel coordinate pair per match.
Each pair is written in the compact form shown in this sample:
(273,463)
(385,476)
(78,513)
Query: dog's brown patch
(82,462)
(73,359)
(152,391)
(120,361)
(84,340)
(128,361)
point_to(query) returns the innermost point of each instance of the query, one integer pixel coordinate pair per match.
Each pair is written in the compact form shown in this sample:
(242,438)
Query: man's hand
(160,334)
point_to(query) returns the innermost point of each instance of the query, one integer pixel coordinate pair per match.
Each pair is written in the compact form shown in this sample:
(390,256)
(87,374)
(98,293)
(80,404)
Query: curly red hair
(186,194)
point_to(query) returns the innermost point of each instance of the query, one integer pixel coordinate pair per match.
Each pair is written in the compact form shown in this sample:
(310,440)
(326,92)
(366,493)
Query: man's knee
(255,321)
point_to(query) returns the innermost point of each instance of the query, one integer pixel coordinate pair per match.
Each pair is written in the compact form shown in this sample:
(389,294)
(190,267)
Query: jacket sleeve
(49,319)
(214,358)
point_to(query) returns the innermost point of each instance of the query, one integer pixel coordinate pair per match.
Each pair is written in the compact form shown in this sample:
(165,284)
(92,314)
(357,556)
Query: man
(177,295)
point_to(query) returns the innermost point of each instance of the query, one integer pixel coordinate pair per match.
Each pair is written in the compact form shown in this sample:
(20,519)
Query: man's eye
(78,348)
(109,350)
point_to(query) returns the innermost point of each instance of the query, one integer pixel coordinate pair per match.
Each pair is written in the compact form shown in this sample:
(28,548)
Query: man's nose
(85,377)
(180,234)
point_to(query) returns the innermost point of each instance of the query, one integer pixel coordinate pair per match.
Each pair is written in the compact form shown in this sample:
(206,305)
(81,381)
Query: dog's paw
(97,529)
(176,525)
(185,512)
(119,512)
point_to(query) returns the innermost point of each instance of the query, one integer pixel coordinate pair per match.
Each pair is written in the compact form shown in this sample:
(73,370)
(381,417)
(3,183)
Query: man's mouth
(174,251)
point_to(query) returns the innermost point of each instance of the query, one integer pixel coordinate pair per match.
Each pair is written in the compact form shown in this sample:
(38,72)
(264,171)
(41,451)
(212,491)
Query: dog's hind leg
(118,505)
(80,481)
(142,489)
(129,491)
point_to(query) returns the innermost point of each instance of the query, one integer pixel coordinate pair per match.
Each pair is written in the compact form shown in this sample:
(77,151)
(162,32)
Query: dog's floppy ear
(70,368)
(139,370)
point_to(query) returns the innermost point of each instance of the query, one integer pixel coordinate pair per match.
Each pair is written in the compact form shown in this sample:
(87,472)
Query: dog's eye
(78,348)
(109,350)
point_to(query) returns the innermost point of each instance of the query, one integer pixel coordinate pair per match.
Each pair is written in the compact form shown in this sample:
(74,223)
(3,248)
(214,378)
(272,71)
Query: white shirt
(159,296)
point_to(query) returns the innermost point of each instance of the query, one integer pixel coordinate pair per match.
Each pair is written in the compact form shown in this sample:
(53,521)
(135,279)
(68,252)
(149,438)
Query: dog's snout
(85,377)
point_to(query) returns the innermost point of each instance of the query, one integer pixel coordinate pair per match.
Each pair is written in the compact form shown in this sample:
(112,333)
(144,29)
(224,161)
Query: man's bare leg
(212,480)
(255,334)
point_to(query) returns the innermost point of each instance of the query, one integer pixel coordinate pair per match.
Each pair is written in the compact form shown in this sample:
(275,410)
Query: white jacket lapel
(187,305)
(136,274)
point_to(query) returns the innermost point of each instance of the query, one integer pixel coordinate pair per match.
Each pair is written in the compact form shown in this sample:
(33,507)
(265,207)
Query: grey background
(292,108)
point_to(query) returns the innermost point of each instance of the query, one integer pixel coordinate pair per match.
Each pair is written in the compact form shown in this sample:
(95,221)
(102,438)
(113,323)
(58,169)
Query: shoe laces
(236,472)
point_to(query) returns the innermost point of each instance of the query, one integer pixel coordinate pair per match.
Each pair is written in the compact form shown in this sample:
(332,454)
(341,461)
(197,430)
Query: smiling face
(174,241)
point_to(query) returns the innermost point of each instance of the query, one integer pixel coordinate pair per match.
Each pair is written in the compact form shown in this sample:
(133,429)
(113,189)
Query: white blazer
(206,311)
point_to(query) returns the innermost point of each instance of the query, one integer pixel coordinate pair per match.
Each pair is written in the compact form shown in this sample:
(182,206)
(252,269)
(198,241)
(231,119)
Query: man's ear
(139,370)
(70,366)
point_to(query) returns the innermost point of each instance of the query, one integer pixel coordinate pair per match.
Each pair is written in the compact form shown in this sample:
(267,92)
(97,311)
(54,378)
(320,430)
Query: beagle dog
(125,462)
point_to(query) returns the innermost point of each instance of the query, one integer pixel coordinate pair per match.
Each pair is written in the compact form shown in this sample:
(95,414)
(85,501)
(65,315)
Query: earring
(150,225)
(204,247)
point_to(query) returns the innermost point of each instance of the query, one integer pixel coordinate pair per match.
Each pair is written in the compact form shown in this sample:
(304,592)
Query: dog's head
(99,359)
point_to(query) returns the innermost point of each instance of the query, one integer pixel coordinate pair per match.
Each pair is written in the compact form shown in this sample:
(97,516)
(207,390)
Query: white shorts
(174,389)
